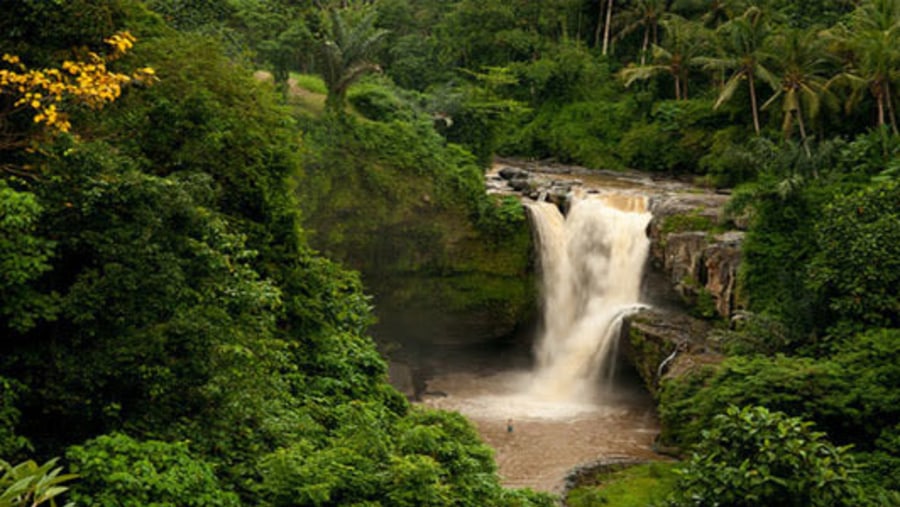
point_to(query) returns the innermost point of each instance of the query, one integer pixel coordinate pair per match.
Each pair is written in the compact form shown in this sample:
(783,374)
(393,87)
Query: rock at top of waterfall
(513,173)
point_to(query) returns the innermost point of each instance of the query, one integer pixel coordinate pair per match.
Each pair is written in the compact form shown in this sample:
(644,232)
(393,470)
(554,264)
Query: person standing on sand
(509,426)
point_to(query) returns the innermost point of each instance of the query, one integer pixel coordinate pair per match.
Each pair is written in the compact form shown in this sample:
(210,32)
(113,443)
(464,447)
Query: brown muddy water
(548,438)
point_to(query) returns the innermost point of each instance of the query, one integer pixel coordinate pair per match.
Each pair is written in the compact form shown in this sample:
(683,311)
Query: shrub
(797,386)
(751,457)
(117,470)
(29,485)
(311,82)
(730,160)
(584,132)
(10,443)
(851,395)
(856,267)
(378,101)
(675,139)
(649,148)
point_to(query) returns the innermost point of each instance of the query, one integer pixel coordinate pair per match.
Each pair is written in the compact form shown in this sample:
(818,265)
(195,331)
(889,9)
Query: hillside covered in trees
(172,335)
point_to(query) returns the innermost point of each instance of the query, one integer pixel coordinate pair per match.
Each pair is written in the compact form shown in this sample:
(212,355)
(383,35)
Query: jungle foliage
(167,329)
(164,314)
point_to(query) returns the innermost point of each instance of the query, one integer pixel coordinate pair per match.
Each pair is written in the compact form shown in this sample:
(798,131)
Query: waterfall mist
(591,264)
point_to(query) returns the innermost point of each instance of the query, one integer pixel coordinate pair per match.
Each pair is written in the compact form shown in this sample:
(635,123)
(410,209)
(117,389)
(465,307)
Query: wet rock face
(702,268)
(721,261)
(661,344)
(692,243)
(682,259)
(701,265)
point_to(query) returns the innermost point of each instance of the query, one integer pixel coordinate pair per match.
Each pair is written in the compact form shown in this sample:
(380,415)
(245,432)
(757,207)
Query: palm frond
(728,90)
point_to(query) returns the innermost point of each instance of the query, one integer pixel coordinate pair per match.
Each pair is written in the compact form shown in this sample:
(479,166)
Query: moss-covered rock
(446,262)
(658,343)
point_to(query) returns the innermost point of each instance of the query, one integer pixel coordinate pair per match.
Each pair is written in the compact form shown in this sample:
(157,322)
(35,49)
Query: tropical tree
(346,55)
(607,23)
(682,45)
(24,256)
(870,42)
(800,63)
(644,14)
(41,92)
(555,19)
(478,33)
(719,12)
(742,44)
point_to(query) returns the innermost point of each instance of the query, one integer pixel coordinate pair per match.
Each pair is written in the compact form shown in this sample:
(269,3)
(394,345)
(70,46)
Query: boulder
(660,343)
(513,173)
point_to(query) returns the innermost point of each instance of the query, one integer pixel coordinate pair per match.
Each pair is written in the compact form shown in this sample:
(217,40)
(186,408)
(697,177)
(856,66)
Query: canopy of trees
(165,316)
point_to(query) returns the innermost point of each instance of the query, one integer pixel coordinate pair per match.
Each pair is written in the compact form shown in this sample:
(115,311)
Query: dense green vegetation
(753,457)
(631,486)
(167,330)
(164,315)
(410,213)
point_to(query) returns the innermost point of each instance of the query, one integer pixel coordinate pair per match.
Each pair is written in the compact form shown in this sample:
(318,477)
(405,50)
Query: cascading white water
(591,266)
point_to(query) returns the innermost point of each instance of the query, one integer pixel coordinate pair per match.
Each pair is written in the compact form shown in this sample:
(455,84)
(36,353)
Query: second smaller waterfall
(591,265)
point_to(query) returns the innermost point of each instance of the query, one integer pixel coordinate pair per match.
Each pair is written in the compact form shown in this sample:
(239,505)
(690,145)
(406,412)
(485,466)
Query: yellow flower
(88,82)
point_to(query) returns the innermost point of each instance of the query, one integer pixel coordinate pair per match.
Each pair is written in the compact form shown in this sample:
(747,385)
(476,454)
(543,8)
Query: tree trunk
(753,102)
(599,28)
(890,107)
(645,45)
(803,139)
(677,87)
(879,99)
(609,8)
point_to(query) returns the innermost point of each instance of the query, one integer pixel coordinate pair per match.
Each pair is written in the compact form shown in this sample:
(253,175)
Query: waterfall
(591,262)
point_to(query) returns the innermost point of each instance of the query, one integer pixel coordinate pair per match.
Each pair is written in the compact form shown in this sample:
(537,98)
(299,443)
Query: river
(548,439)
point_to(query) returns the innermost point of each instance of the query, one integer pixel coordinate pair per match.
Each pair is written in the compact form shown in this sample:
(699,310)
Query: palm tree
(800,62)
(711,13)
(719,12)
(606,26)
(683,43)
(644,14)
(742,42)
(871,45)
(346,55)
